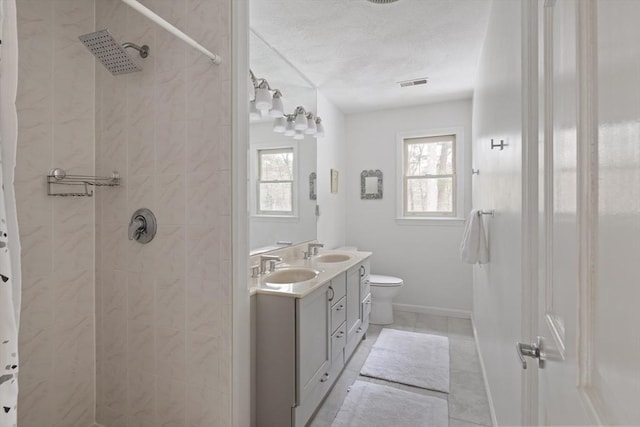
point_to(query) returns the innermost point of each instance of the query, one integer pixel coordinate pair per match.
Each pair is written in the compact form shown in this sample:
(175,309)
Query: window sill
(438,222)
(275,218)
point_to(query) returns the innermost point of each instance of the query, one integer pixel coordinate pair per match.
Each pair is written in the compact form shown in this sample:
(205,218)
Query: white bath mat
(374,405)
(411,358)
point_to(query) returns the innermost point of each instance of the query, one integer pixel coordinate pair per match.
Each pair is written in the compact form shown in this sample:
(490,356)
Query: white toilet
(383,289)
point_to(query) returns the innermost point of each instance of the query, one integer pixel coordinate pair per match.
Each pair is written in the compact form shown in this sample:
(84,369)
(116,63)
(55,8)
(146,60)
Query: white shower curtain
(9,239)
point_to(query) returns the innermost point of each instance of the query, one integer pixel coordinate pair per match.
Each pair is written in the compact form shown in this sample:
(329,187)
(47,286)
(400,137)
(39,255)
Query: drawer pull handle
(340,307)
(324,378)
(340,334)
(359,330)
(332,293)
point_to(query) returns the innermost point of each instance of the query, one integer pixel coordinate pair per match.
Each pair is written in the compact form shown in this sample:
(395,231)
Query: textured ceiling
(355,52)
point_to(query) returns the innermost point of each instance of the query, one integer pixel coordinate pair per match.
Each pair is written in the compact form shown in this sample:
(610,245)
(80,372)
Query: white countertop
(299,290)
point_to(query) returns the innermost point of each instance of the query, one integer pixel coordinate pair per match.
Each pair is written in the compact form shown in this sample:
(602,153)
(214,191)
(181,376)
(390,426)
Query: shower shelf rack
(59,177)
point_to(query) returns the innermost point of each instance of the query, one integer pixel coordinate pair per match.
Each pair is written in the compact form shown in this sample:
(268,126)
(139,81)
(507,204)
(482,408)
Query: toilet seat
(384,281)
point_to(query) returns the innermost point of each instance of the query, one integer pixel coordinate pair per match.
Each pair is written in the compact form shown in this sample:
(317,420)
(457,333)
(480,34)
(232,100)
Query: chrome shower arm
(144,49)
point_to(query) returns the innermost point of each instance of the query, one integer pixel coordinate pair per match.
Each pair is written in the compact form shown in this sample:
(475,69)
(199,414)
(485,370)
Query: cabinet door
(365,296)
(353,311)
(353,300)
(313,342)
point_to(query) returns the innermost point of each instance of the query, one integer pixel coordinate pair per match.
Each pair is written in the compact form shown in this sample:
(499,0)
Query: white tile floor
(468,405)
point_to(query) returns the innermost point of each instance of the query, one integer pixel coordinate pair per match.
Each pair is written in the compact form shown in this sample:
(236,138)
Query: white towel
(473,248)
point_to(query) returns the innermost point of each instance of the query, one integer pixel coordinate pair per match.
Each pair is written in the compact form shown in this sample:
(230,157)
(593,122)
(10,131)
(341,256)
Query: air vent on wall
(414,82)
(383,1)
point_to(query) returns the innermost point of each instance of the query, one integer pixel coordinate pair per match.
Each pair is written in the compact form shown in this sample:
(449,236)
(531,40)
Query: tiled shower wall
(56,129)
(163,310)
(159,349)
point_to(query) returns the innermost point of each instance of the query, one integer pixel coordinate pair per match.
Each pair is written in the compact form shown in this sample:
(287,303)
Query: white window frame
(255,181)
(458,179)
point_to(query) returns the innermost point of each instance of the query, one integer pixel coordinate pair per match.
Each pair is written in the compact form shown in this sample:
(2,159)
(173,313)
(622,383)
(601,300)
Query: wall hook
(500,146)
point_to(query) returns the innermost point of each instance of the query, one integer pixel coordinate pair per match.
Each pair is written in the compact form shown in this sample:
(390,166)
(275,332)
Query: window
(275,184)
(429,176)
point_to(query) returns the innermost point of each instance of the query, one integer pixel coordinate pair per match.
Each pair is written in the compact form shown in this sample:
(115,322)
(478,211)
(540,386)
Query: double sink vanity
(310,313)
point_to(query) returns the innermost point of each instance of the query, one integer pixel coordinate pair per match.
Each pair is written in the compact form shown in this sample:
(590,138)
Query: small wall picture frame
(334,181)
(371,184)
(312,186)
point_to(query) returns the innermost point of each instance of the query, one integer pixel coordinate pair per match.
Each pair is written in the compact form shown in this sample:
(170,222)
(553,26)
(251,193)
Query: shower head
(111,53)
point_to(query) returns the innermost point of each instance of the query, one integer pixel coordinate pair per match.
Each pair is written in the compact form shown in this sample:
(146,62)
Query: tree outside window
(429,176)
(275,181)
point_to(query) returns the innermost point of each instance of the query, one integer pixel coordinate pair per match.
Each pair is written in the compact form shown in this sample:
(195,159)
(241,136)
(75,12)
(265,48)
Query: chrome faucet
(271,259)
(312,249)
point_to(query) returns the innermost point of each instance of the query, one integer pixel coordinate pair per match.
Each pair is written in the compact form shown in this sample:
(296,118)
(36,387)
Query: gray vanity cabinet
(302,345)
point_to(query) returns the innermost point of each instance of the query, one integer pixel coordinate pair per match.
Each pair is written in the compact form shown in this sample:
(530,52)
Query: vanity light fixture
(289,130)
(311,125)
(263,97)
(280,125)
(301,119)
(277,107)
(267,102)
(254,113)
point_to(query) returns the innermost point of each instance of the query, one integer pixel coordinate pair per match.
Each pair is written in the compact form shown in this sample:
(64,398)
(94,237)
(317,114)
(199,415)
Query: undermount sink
(291,275)
(333,258)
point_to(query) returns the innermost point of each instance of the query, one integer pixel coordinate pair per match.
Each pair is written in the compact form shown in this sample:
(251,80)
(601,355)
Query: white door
(590,234)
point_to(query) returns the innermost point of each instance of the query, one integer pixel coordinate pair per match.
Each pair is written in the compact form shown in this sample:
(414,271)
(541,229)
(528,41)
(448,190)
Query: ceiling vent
(383,1)
(414,82)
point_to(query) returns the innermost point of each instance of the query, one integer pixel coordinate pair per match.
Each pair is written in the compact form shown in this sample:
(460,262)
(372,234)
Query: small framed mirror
(312,186)
(371,184)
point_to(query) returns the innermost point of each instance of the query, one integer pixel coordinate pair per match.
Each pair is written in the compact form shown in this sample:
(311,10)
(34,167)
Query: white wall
(497,285)
(425,256)
(332,154)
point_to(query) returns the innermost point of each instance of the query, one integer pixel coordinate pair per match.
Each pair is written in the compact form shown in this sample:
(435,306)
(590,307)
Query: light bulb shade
(254,114)
(301,122)
(319,129)
(277,109)
(311,125)
(299,135)
(289,131)
(263,99)
(279,125)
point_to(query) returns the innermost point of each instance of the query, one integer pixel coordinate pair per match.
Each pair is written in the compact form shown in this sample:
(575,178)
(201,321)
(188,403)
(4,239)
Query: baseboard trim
(494,421)
(438,311)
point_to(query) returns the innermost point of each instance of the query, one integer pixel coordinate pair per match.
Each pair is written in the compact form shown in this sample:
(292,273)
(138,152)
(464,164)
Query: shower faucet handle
(143,226)
(137,227)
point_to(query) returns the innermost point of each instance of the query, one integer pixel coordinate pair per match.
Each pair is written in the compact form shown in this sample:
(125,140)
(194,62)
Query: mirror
(371,184)
(282,188)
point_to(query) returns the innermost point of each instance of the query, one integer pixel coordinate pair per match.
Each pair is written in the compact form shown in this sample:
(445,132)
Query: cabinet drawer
(338,341)
(338,313)
(339,287)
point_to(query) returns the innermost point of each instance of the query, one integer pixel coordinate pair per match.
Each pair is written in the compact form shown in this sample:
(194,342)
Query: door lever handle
(533,350)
